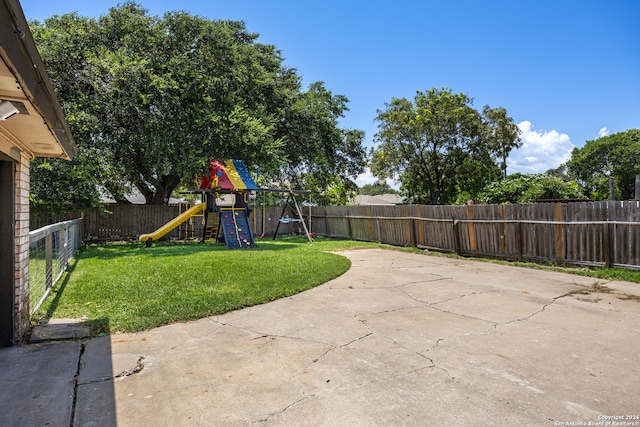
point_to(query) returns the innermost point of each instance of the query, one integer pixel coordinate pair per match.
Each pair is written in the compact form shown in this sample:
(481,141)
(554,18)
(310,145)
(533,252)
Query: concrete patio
(400,339)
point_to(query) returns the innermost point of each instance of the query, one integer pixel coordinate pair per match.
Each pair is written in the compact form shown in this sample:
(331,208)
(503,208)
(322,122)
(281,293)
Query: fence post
(472,229)
(420,235)
(368,210)
(607,244)
(518,232)
(519,240)
(503,248)
(326,222)
(414,238)
(409,228)
(48,245)
(559,240)
(64,256)
(456,236)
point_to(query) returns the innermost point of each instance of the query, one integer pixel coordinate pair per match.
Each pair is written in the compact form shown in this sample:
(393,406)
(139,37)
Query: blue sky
(566,71)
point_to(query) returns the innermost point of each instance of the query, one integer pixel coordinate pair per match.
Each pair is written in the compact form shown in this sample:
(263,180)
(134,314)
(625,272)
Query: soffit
(39,127)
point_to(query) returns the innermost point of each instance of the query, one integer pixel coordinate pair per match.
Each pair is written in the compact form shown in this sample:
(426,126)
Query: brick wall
(21,317)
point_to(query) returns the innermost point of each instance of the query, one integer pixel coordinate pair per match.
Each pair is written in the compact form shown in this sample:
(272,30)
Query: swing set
(230,224)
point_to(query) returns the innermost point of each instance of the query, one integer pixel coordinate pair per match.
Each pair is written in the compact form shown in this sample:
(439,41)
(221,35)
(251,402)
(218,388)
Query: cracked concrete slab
(421,329)
(98,364)
(400,339)
(571,364)
(496,307)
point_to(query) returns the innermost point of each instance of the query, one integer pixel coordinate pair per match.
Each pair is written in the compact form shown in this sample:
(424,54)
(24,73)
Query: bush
(529,188)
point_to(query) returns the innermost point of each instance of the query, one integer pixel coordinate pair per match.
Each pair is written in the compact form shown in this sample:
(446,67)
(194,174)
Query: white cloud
(603,132)
(540,150)
(368,178)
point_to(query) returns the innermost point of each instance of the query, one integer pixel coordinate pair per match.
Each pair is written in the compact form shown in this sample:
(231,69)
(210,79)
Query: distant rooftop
(381,199)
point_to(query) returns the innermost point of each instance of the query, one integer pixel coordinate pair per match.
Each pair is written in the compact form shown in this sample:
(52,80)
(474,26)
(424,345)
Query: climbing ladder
(212,226)
(236,228)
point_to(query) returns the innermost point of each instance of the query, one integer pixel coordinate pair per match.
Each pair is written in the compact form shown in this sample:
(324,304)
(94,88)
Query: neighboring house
(135,197)
(381,199)
(32,124)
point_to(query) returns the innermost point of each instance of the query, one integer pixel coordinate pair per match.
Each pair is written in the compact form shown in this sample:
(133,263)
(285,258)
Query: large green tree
(616,156)
(320,155)
(501,134)
(149,99)
(439,146)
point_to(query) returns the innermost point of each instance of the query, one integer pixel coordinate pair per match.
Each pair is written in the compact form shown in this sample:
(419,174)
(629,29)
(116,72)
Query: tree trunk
(162,191)
(612,186)
(165,187)
(146,191)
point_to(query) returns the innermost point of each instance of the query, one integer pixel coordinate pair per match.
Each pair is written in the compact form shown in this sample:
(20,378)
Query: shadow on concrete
(95,396)
(57,381)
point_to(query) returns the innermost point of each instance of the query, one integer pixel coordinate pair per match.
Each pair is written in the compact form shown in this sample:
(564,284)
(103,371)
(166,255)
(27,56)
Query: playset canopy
(232,175)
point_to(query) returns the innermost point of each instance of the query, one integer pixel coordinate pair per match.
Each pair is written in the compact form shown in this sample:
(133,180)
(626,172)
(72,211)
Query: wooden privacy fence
(127,221)
(583,233)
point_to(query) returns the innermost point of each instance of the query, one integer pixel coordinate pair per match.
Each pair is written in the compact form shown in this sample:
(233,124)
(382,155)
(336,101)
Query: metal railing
(50,250)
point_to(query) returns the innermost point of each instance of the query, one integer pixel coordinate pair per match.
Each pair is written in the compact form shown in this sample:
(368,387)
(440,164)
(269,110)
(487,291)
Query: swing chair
(291,205)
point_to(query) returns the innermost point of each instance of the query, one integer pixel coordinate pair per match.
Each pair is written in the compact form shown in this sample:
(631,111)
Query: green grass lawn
(128,288)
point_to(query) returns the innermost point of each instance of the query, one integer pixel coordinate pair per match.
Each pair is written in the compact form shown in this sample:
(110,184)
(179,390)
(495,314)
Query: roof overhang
(31,118)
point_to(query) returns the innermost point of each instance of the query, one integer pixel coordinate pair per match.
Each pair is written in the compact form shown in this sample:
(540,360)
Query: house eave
(40,128)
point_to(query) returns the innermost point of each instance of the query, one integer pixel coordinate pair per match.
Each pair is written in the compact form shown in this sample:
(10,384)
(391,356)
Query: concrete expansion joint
(283,367)
(75,385)
(331,347)
(494,324)
(285,409)
(440,368)
(308,365)
(463,296)
(435,346)
(261,335)
(368,334)
(433,365)
(415,282)
(431,304)
(329,350)
(584,290)
(524,319)
(395,286)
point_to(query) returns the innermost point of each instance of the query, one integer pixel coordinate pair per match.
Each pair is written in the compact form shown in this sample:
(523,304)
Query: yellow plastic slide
(193,210)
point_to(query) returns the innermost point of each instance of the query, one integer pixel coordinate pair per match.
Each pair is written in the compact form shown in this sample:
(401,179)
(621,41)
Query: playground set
(229,224)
